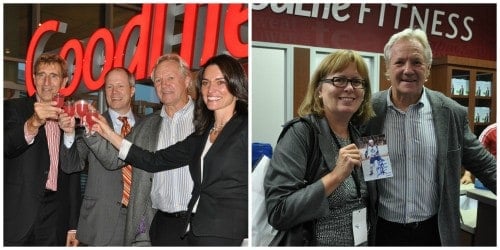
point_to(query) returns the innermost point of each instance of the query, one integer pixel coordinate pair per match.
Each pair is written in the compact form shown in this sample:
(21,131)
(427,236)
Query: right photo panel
(373,124)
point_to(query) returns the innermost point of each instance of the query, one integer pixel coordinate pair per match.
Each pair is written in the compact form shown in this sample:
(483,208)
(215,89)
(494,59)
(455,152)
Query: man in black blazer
(41,203)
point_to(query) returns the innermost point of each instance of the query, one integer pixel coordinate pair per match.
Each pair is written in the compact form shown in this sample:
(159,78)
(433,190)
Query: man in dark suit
(103,212)
(41,203)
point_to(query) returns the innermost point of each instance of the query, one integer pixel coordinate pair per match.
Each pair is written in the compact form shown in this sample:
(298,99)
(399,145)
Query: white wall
(272,98)
(272,85)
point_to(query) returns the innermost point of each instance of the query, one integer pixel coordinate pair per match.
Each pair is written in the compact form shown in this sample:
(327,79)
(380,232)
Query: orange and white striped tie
(127,169)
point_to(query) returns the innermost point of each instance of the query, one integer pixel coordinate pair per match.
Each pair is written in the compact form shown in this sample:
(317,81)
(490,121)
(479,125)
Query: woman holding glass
(217,154)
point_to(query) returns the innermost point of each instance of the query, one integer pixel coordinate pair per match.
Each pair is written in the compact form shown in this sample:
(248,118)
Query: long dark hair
(237,84)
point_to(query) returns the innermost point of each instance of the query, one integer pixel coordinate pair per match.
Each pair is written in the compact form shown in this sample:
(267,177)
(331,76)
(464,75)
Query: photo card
(374,157)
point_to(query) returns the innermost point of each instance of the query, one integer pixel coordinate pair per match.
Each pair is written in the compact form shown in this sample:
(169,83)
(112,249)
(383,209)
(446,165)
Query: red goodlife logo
(142,41)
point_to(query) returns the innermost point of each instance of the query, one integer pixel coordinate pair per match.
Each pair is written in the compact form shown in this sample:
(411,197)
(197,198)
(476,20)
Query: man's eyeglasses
(342,82)
(42,76)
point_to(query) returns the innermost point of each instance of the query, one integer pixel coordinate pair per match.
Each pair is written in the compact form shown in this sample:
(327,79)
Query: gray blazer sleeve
(105,152)
(478,160)
(71,159)
(289,201)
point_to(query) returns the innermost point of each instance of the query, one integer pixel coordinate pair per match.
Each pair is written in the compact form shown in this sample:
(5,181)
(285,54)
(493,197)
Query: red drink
(69,108)
(81,108)
(88,118)
(59,98)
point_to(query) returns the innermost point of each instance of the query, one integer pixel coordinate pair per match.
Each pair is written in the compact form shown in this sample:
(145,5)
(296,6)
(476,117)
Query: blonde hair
(336,62)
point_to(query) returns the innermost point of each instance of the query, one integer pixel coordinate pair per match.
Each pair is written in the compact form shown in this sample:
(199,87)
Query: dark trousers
(167,229)
(43,232)
(424,233)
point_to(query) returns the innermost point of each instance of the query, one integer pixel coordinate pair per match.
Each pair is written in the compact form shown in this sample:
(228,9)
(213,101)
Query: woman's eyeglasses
(341,82)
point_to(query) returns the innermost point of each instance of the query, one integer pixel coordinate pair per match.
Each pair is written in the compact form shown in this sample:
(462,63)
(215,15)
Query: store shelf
(470,82)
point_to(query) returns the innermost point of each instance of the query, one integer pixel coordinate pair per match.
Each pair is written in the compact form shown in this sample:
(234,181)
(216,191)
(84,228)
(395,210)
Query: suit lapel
(325,142)
(380,109)
(228,132)
(440,116)
(151,138)
(230,129)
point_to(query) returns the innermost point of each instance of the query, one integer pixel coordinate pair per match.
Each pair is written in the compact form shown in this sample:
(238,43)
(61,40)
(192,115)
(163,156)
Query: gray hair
(183,66)
(409,34)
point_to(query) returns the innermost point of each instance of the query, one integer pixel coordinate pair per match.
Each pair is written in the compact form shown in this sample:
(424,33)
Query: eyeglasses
(341,82)
(42,76)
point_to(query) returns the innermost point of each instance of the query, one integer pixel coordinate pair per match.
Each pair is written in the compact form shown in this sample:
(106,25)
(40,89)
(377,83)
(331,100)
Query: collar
(189,105)
(422,102)
(114,116)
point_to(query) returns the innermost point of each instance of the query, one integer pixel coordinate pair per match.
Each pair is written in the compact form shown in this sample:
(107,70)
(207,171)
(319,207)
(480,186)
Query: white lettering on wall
(452,25)
(362,10)
(398,14)
(436,21)
(467,27)
(338,10)
(439,20)
(415,15)
(381,16)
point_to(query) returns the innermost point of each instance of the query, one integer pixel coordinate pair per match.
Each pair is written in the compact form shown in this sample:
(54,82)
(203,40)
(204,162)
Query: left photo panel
(126,124)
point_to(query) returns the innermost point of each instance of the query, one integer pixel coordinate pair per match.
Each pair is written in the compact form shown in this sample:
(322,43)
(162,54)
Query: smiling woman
(334,108)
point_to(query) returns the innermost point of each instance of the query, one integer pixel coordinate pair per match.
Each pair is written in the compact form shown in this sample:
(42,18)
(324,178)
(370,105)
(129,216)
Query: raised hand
(102,127)
(67,123)
(349,157)
(45,111)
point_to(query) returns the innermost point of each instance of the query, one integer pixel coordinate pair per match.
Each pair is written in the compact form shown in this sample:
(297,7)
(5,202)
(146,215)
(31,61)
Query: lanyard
(354,174)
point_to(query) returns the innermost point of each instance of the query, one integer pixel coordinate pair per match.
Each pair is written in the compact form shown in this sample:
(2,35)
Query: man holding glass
(104,209)
(41,203)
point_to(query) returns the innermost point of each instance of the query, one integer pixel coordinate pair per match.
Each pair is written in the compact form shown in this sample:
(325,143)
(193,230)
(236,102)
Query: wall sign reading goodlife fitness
(143,39)
(464,30)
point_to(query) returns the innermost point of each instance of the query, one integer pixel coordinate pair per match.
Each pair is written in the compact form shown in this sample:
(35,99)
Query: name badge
(359,227)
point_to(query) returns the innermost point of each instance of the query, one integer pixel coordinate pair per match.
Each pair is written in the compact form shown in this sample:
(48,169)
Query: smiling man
(41,203)
(429,139)
(104,207)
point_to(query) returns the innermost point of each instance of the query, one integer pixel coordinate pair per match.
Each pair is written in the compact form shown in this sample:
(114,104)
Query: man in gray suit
(429,140)
(164,195)
(103,213)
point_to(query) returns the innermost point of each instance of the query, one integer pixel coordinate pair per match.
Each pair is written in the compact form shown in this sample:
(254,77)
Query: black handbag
(302,234)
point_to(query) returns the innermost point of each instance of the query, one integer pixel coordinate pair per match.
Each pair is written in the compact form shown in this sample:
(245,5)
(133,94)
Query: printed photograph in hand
(375,157)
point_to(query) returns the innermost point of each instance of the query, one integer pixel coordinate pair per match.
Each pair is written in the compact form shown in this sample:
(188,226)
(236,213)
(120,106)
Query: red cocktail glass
(88,119)
(59,98)
(69,108)
(81,108)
